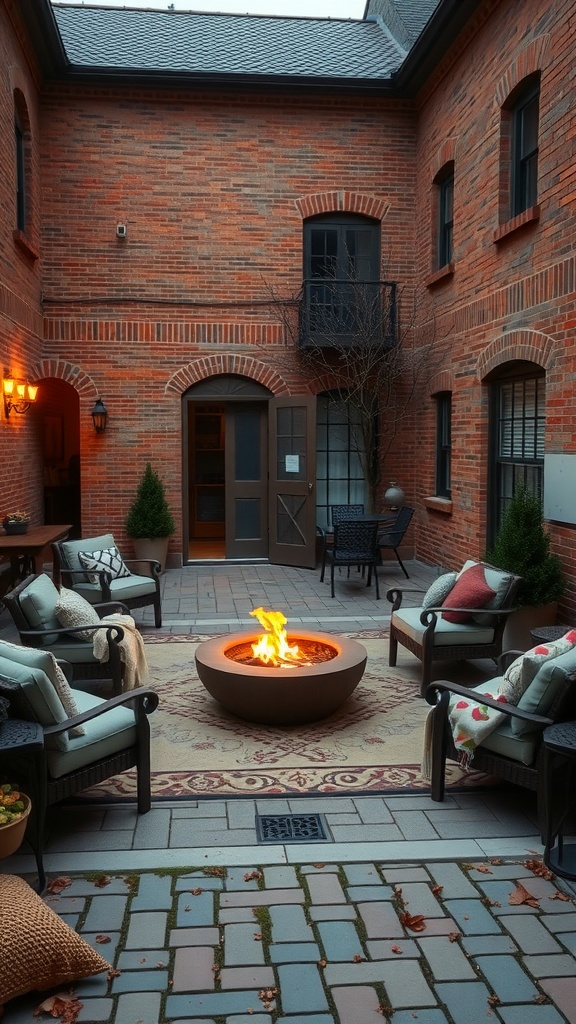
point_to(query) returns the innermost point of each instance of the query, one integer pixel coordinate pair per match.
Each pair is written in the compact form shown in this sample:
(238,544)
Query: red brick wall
(511,299)
(213,191)
(20,276)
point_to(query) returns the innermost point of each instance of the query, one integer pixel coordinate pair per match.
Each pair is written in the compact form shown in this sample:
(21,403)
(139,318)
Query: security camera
(121,231)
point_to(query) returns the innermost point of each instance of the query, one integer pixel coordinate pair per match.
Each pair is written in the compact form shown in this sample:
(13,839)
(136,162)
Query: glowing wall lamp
(99,416)
(18,395)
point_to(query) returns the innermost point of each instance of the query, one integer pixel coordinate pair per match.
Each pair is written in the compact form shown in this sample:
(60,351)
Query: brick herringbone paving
(322,943)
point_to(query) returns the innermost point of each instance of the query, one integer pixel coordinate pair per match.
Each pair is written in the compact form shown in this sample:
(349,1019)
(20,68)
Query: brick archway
(342,202)
(531,346)
(213,365)
(63,370)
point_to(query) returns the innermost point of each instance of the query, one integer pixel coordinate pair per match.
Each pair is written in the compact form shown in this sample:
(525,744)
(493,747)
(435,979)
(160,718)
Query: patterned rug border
(198,638)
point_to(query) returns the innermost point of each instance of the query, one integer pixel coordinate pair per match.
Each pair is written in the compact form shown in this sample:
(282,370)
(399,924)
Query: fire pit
(278,679)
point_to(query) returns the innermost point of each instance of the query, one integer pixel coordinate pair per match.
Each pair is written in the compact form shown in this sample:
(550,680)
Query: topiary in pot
(522,546)
(149,518)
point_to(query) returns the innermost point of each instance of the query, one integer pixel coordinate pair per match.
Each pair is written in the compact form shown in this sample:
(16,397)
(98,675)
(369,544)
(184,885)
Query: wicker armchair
(134,590)
(425,632)
(116,738)
(513,752)
(32,605)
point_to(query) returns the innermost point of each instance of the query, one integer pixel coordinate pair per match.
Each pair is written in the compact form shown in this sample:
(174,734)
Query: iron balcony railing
(337,313)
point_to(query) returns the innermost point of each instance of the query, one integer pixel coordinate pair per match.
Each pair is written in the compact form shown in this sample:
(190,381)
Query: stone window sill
(443,505)
(529,216)
(442,274)
(23,242)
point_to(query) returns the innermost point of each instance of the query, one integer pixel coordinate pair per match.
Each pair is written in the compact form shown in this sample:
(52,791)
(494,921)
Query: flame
(272,648)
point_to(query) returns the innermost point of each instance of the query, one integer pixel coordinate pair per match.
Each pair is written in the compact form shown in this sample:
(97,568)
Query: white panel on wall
(560,488)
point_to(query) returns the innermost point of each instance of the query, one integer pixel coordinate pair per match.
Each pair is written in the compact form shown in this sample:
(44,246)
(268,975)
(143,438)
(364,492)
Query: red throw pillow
(470,591)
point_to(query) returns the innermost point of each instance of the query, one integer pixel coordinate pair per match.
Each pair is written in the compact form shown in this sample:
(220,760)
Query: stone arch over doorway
(341,201)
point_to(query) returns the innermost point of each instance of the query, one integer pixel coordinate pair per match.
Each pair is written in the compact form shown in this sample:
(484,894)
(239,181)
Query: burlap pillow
(74,610)
(37,949)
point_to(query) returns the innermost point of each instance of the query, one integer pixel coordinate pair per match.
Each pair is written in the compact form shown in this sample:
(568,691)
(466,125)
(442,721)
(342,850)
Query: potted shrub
(149,522)
(15,522)
(14,810)
(522,546)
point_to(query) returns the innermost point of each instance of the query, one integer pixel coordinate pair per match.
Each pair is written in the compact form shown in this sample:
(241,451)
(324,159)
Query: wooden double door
(250,479)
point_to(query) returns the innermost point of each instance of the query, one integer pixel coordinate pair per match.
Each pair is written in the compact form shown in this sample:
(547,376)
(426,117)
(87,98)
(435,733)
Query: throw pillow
(470,591)
(438,590)
(74,610)
(109,559)
(12,655)
(37,949)
(519,675)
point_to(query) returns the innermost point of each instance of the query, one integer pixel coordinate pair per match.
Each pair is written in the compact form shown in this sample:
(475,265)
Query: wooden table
(25,550)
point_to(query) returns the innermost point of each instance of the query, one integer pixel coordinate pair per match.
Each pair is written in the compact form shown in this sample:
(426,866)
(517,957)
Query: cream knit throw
(132,651)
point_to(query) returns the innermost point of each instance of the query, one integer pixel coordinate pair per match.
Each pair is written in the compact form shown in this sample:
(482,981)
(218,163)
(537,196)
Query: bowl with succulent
(14,810)
(15,522)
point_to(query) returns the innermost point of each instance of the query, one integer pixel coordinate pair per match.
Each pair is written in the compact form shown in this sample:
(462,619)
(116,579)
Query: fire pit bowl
(281,696)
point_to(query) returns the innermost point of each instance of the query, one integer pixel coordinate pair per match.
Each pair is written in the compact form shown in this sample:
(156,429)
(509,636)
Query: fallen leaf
(103,938)
(396,949)
(453,936)
(58,884)
(557,895)
(318,865)
(102,881)
(252,875)
(322,963)
(196,892)
(493,1001)
(537,867)
(61,1005)
(483,869)
(257,936)
(521,895)
(496,861)
(540,998)
(357,959)
(415,922)
(437,889)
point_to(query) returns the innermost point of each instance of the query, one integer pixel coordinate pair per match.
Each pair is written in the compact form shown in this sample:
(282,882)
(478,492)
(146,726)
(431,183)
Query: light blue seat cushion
(106,735)
(38,604)
(38,690)
(449,634)
(504,741)
(121,589)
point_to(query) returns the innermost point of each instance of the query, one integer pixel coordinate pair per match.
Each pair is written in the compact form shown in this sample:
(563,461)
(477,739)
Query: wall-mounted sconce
(18,395)
(99,416)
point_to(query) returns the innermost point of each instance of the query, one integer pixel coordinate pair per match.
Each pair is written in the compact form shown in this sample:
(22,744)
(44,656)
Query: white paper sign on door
(292,463)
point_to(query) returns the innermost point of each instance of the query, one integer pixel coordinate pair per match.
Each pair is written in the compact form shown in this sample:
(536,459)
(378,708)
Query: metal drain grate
(291,828)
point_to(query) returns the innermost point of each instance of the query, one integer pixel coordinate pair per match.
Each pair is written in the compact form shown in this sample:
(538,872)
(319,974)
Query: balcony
(340,313)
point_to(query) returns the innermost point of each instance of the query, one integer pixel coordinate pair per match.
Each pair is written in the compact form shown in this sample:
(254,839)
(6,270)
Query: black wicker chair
(393,537)
(354,544)
(42,772)
(431,638)
(31,604)
(138,590)
(499,754)
(338,514)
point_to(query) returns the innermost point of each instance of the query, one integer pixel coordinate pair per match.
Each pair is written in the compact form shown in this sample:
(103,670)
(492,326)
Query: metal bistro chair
(355,543)
(338,514)
(393,537)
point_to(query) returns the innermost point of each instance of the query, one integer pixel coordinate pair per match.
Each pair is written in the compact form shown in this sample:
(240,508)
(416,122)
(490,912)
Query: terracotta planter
(517,635)
(11,835)
(152,547)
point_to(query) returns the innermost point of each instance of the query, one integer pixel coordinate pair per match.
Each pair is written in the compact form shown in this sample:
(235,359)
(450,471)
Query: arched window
(444,185)
(519,149)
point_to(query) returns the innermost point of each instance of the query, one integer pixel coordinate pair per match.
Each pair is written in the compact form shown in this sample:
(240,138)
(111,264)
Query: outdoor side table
(559,780)
(546,634)
(22,750)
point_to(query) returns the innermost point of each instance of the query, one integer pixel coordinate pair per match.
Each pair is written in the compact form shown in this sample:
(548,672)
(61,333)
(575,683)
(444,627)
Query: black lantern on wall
(99,416)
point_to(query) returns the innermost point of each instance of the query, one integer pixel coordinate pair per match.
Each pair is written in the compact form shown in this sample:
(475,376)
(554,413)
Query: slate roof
(127,40)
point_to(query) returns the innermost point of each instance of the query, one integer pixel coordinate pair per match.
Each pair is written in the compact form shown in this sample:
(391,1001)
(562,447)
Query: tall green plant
(149,514)
(522,547)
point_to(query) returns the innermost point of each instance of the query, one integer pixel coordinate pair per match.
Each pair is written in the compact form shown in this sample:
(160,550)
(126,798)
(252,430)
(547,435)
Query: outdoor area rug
(373,743)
